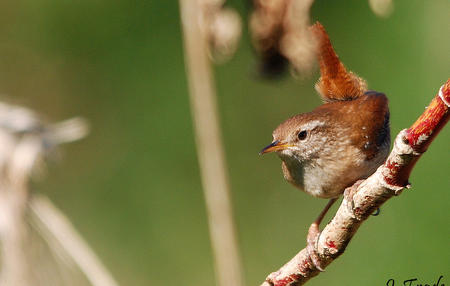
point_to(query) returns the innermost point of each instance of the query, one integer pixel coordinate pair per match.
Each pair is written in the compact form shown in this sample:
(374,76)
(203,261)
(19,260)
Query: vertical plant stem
(15,269)
(209,147)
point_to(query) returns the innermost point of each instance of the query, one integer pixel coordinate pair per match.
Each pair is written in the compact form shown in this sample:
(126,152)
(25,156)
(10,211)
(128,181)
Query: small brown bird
(340,142)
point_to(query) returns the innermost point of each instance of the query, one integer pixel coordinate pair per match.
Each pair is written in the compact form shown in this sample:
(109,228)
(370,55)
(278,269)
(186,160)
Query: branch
(364,197)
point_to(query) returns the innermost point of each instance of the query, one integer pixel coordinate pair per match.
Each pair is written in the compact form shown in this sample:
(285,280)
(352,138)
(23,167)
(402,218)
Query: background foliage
(132,187)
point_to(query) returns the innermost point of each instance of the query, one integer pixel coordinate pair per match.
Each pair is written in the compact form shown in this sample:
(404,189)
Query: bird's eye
(302,135)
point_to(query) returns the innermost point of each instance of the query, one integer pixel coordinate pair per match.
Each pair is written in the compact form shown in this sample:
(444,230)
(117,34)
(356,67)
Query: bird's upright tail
(335,83)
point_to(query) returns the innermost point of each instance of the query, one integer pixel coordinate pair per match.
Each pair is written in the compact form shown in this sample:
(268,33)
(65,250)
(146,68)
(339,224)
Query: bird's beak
(274,146)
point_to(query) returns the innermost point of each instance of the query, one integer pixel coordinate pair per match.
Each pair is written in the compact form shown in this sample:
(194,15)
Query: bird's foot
(311,245)
(377,212)
(350,192)
(313,236)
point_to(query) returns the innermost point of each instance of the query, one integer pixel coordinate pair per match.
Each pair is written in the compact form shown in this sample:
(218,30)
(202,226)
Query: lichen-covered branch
(364,197)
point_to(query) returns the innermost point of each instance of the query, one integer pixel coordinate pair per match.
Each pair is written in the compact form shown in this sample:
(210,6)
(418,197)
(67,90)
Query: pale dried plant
(222,28)
(197,45)
(225,33)
(298,44)
(279,30)
(382,8)
(39,246)
(266,23)
(279,26)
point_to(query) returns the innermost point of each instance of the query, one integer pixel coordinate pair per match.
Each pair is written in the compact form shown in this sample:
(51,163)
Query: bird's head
(302,137)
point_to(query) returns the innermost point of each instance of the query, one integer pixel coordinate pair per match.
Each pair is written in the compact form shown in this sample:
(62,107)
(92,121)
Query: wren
(340,142)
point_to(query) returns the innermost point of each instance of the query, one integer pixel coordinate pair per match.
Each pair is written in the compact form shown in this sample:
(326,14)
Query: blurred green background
(132,187)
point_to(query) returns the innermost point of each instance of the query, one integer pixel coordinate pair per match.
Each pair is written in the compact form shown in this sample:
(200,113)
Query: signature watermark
(416,282)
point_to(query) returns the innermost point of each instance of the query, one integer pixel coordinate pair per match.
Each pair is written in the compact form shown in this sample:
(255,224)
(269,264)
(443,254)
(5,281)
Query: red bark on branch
(364,197)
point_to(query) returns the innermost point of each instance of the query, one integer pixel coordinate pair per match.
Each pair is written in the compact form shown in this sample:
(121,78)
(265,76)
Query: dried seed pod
(224,34)
(280,35)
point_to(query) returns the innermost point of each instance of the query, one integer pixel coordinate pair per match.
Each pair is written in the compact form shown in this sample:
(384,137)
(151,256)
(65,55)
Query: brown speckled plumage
(346,141)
